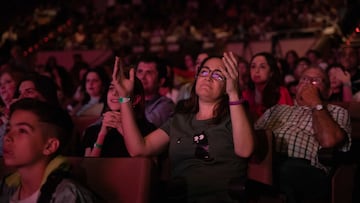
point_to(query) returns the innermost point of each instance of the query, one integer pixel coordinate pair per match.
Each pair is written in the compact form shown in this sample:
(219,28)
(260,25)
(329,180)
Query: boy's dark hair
(50,114)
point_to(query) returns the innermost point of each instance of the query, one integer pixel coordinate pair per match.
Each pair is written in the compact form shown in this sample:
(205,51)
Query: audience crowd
(118,25)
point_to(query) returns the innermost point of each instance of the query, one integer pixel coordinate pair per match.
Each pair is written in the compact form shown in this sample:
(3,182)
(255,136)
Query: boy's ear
(51,146)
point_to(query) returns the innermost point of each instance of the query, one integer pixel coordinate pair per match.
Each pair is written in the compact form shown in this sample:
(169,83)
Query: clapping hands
(231,72)
(343,76)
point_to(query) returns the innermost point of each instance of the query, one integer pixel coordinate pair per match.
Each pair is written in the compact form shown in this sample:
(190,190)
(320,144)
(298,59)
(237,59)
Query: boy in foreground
(36,136)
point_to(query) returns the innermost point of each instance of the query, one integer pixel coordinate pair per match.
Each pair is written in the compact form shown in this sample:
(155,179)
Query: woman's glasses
(215,74)
(312,80)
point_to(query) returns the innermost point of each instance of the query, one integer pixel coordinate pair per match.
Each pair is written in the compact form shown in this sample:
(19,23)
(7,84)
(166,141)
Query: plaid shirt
(293,130)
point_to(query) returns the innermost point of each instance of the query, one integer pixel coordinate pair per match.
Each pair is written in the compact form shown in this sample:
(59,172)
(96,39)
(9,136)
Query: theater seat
(125,180)
(260,165)
(259,186)
(74,148)
(342,184)
(342,177)
(82,122)
(346,176)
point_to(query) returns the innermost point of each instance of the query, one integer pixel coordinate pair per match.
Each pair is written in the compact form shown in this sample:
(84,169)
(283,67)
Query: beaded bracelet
(99,146)
(124,99)
(347,84)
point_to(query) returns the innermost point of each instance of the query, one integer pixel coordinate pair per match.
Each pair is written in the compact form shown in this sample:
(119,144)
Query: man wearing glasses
(300,131)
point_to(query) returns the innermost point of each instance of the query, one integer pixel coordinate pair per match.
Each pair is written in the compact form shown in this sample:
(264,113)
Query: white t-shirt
(32,199)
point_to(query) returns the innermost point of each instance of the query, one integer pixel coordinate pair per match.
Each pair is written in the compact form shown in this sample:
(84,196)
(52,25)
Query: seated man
(151,71)
(349,59)
(37,134)
(300,131)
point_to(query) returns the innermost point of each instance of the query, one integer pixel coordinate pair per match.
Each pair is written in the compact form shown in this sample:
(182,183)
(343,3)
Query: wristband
(124,99)
(99,146)
(241,101)
(347,84)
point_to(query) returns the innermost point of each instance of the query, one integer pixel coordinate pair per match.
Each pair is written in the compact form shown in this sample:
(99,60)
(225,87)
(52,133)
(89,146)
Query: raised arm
(345,78)
(326,130)
(136,145)
(242,129)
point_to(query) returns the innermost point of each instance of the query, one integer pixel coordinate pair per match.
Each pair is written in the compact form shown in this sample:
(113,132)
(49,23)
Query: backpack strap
(54,179)
(49,187)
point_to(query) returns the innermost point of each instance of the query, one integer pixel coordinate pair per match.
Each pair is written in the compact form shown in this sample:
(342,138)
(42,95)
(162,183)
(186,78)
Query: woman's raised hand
(343,76)
(124,86)
(231,73)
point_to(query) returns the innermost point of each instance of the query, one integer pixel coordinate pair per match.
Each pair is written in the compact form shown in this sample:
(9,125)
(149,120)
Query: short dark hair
(50,114)
(303,59)
(160,64)
(334,65)
(315,52)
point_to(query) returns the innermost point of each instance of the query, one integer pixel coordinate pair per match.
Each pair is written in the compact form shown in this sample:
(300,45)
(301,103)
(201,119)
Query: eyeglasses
(202,146)
(312,80)
(215,74)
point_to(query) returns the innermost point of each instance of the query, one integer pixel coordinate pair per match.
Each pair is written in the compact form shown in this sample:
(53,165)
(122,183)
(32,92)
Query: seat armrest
(342,183)
(332,157)
(260,164)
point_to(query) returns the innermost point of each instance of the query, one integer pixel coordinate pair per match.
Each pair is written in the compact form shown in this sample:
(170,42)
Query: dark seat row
(130,180)
(126,180)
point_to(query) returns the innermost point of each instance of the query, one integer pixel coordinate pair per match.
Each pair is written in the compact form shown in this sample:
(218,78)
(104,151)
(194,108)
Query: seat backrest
(260,165)
(342,184)
(125,180)
(82,122)
(74,148)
